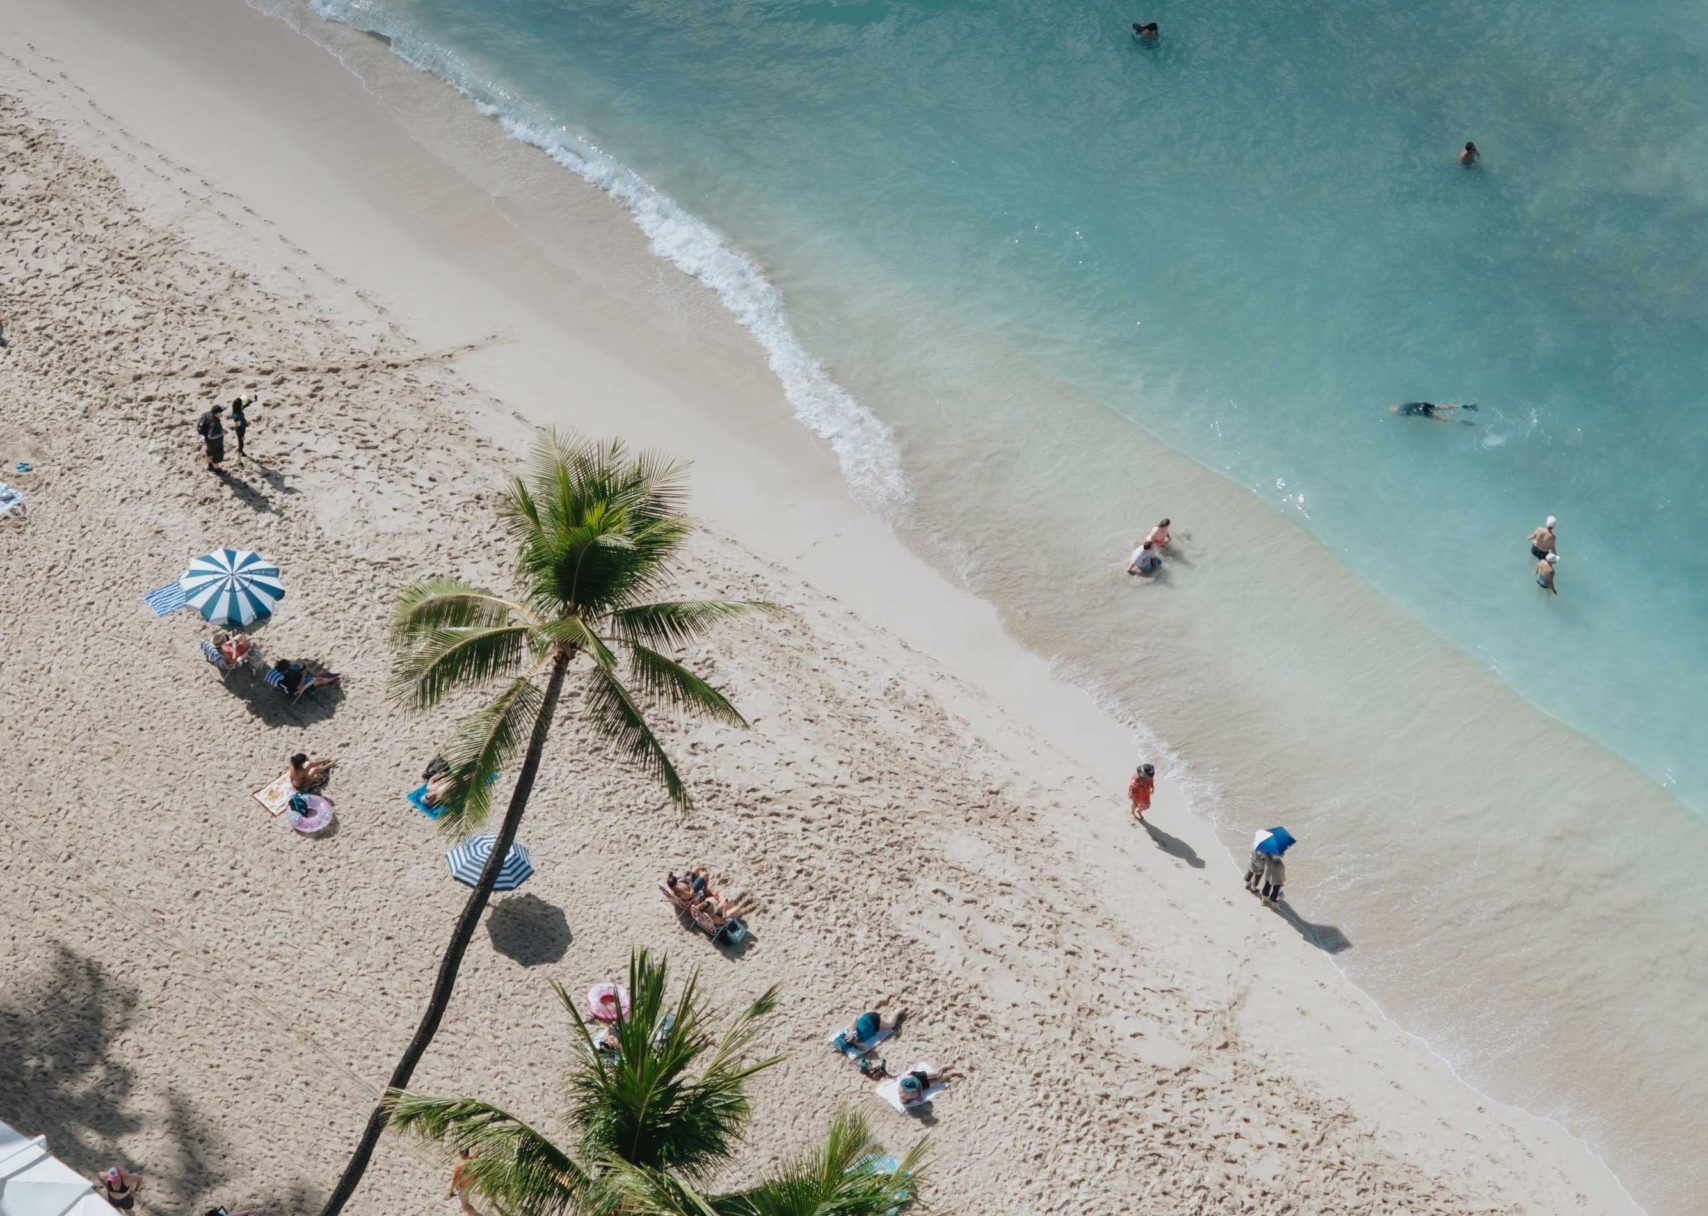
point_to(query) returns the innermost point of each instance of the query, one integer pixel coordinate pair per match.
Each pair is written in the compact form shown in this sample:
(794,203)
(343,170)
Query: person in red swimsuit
(1139,791)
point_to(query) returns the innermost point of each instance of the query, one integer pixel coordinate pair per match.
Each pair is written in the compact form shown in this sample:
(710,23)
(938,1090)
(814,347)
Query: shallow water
(1010,233)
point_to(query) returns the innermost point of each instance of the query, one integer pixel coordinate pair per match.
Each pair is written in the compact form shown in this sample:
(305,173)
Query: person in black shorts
(212,431)
(240,420)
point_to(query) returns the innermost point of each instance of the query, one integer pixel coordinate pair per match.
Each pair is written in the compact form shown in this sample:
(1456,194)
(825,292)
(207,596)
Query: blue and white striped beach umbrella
(232,586)
(468,859)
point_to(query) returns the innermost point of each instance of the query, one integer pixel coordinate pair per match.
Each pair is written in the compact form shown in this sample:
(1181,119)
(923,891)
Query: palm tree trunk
(452,960)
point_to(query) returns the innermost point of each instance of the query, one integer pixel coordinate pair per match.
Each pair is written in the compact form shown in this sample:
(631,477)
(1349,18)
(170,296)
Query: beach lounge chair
(729,933)
(211,653)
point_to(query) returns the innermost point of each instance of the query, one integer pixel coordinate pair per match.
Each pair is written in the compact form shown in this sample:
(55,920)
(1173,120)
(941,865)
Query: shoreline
(824,537)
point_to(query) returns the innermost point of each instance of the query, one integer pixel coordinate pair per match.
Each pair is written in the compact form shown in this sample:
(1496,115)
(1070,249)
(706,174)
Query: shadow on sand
(63,1075)
(1326,938)
(1173,845)
(528,930)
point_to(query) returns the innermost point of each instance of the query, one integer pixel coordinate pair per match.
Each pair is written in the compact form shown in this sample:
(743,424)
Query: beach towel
(10,500)
(890,1091)
(418,800)
(418,797)
(852,1049)
(275,796)
(166,599)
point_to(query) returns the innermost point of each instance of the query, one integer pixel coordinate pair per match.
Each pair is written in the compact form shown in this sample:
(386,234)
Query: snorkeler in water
(1145,31)
(1440,412)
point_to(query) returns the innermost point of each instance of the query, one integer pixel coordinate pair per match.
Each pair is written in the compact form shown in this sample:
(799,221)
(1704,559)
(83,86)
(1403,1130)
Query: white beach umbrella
(33,1182)
(232,586)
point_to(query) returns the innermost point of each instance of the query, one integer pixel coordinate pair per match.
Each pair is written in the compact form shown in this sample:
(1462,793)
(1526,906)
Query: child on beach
(1139,791)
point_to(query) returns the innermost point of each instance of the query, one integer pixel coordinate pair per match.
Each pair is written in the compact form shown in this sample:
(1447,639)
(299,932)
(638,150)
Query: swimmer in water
(1469,156)
(1428,409)
(1146,32)
(1545,573)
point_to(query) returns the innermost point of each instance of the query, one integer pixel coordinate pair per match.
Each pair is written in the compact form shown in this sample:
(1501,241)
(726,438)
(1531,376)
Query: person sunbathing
(722,909)
(681,889)
(233,647)
(309,774)
(869,1025)
(916,1084)
(439,786)
(300,676)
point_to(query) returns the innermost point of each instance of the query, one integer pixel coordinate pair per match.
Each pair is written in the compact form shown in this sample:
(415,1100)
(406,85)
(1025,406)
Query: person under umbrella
(1268,844)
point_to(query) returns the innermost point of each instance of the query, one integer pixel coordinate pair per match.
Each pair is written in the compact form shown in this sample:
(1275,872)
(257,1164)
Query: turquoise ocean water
(1246,240)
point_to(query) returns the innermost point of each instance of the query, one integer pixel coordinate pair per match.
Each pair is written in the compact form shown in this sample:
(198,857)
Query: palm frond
(633,1190)
(612,712)
(575,633)
(439,603)
(836,1178)
(483,744)
(666,680)
(679,623)
(447,657)
(651,1102)
(513,1166)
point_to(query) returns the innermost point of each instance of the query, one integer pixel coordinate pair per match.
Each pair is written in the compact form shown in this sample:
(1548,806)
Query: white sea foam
(863,444)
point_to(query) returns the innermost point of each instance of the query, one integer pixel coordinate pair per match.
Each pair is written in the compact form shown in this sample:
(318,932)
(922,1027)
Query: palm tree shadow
(1326,938)
(59,1064)
(1173,845)
(528,930)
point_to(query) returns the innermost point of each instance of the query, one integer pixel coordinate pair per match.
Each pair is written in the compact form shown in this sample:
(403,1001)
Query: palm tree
(657,1110)
(597,531)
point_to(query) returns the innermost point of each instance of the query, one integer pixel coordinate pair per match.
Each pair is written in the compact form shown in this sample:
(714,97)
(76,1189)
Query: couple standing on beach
(211,427)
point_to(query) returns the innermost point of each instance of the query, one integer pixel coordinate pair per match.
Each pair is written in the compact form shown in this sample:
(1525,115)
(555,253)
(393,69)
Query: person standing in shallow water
(1545,573)
(1469,156)
(1542,540)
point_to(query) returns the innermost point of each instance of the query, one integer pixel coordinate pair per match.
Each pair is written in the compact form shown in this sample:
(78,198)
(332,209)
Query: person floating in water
(1441,412)
(1542,541)
(1469,156)
(1545,573)
(1145,32)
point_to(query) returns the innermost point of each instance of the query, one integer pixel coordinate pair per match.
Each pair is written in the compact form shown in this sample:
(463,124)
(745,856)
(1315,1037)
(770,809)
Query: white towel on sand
(852,1051)
(890,1091)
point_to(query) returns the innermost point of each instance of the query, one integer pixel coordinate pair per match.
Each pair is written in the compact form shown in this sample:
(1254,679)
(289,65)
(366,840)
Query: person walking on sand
(1274,878)
(239,419)
(1545,573)
(1542,541)
(1470,155)
(460,1184)
(120,1187)
(212,431)
(1139,791)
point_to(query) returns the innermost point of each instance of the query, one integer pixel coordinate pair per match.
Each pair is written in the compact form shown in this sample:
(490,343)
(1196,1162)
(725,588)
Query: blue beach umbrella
(1277,842)
(468,859)
(232,586)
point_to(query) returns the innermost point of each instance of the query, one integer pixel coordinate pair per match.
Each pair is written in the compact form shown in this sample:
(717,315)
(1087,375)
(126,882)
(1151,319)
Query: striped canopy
(468,859)
(232,586)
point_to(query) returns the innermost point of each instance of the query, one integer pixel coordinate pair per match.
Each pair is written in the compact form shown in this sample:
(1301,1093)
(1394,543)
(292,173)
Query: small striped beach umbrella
(232,586)
(468,859)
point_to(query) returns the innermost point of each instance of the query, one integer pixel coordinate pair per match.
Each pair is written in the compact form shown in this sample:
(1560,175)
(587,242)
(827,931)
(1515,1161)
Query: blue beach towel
(166,599)
(418,798)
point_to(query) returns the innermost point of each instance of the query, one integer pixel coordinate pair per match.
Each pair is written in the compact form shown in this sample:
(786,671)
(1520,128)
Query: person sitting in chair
(309,774)
(233,647)
(300,676)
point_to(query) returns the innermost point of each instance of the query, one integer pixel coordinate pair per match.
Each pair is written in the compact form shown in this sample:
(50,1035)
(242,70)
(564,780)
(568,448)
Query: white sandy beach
(199,202)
